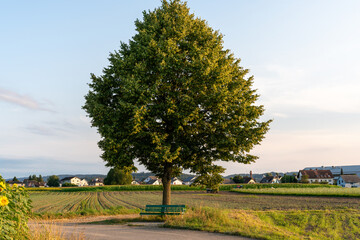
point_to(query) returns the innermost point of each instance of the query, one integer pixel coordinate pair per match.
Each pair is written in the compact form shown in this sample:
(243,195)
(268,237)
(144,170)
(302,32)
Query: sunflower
(4,201)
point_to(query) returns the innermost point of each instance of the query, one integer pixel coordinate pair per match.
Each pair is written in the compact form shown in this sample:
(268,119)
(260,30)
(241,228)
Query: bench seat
(162,210)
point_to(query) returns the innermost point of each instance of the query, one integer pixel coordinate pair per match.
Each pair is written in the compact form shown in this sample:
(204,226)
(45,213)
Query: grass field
(334,192)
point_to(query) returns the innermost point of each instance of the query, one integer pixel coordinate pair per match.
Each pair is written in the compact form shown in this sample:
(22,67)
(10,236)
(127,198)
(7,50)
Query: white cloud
(21,100)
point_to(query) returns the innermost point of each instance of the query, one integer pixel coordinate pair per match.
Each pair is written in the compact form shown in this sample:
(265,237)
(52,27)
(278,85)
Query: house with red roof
(317,176)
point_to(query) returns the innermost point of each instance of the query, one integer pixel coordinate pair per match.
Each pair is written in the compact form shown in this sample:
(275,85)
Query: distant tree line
(35,178)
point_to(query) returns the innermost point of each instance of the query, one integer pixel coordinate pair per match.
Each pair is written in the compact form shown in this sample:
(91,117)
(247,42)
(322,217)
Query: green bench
(163,210)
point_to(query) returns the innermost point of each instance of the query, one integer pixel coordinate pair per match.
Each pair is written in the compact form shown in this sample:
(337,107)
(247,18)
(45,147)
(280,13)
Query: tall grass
(320,224)
(328,192)
(42,231)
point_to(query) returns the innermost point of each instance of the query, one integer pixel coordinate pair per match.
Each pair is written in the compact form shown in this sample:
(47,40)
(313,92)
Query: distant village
(345,176)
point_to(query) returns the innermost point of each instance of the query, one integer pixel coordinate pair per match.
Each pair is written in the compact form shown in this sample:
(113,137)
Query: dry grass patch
(40,230)
(273,224)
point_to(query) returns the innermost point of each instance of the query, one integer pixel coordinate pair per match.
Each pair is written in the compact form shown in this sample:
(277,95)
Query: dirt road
(131,230)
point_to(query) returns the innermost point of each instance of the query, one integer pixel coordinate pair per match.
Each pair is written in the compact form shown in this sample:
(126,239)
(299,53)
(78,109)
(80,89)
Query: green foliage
(238,179)
(35,178)
(40,179)
(288,179)
(173,98)
(117,176)
(304,179)
(53,181)
(68,185)
(211,179)
(15,179)
(14,211)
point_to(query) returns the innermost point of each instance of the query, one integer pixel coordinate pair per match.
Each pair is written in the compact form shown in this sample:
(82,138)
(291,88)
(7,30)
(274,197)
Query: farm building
(11,183)
(349,181)
(152,180)
(33,183)
(97,182)
(176,181)
(249,180)
(270,179)
(317,176)
(74,180)
(336,170)
(134,182)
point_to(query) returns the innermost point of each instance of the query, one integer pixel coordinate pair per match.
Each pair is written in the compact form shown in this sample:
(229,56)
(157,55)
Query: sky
(304,56)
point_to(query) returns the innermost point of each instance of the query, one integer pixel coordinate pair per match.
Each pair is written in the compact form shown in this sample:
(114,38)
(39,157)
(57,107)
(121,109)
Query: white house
(74,180)
(270,179)
(176,181)
(97,182)
(83,183)
(152,180)
(249,180)
(317,176)
(349,181)
(134,182)
(338,170)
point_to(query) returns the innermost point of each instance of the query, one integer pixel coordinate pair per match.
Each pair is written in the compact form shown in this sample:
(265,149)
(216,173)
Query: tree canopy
(238,179)
(117,176)
(173,98)
(53,181)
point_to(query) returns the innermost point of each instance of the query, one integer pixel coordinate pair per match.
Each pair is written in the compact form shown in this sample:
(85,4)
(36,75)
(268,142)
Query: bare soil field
(61,202)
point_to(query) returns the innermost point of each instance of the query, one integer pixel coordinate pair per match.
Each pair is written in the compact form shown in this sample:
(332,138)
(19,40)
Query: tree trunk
(166,181)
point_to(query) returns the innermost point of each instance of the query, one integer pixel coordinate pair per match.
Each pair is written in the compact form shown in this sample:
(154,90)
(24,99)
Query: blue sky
(304,56)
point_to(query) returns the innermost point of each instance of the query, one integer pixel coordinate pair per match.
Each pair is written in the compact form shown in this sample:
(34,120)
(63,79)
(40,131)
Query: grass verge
(311,224)
(323,192)
(84,212)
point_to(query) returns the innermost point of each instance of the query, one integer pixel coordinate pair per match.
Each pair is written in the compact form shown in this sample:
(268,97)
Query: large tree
(53,181)
(173,99)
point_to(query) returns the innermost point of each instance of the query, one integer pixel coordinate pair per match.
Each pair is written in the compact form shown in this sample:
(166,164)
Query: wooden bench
(163,210)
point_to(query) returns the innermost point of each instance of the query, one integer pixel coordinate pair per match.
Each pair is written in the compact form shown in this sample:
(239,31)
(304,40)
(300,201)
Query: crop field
(64,202)
(335,192)
(262,216)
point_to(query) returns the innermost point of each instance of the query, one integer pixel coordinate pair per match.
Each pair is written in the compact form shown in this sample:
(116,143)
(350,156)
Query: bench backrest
(165,208)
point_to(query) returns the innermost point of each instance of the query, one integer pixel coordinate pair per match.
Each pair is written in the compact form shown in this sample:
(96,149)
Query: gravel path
(132,230)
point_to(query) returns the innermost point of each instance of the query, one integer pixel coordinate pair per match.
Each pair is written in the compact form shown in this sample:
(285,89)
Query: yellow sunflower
(2,185)
(4,201)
